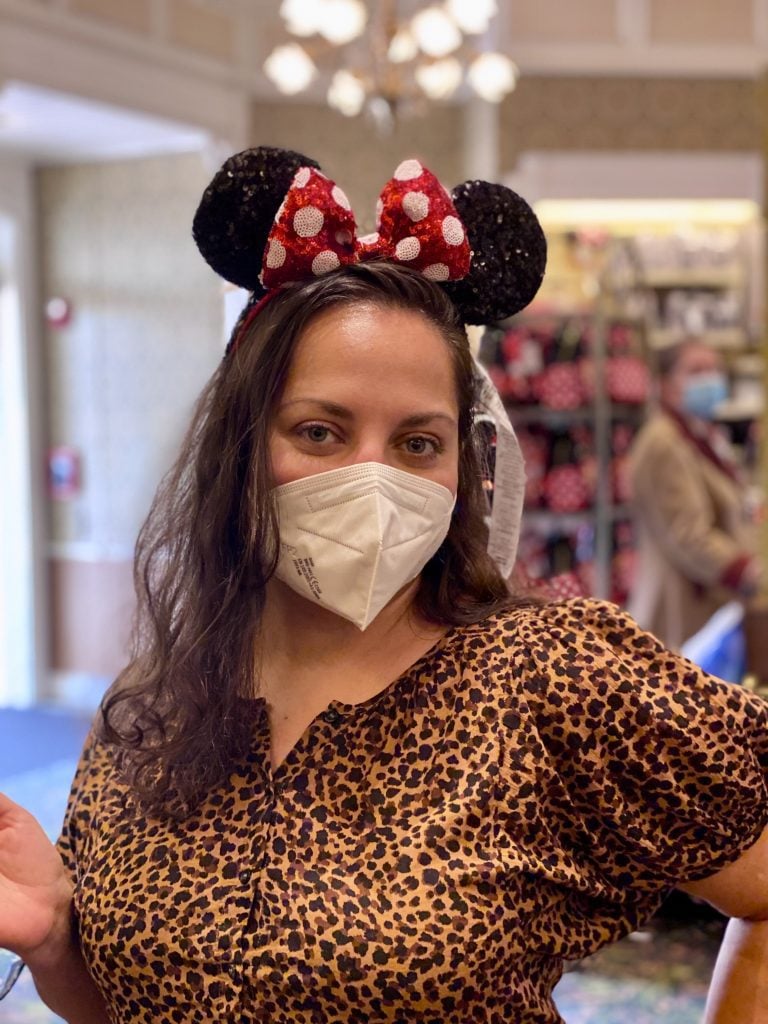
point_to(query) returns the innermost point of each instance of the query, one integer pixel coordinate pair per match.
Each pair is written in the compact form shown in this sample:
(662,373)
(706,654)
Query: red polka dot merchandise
(623,568)
(522,358)
(535,449)
(565,490)
(559,386)
(587,572)
(564,587)
(621,477)
(627,379)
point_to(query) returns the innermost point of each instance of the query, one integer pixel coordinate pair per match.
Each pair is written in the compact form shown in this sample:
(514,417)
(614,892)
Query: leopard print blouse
(525,793)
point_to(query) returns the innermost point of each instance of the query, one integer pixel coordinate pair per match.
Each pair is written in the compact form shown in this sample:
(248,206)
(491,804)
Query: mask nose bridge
(409,500)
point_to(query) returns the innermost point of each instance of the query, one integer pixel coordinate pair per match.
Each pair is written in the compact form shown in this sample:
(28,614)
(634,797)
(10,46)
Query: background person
(696,535)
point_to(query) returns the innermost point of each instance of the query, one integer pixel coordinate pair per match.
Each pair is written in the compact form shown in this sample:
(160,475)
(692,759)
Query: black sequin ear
(238,208)
(509,252)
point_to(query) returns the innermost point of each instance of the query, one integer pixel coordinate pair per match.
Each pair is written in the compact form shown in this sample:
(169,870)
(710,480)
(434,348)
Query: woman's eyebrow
(419,419)
(330,407)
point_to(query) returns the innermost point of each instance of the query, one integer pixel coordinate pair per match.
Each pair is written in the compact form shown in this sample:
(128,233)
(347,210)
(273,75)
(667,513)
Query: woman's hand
(35,891)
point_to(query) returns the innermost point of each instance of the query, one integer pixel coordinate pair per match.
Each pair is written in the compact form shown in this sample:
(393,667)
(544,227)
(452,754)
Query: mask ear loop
(508,475)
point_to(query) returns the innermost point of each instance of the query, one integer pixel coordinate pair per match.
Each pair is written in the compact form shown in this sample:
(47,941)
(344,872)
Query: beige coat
(691,525)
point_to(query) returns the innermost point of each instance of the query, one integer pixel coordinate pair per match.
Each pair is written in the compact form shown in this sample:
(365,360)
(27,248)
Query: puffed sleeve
(656,772)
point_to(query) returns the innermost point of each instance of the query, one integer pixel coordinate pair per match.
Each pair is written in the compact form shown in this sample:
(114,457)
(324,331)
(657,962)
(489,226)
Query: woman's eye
(422,446)
(316,433)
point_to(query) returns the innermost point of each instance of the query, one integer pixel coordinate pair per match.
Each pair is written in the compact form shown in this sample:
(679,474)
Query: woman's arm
(739,990)
(36,921)
(62,979)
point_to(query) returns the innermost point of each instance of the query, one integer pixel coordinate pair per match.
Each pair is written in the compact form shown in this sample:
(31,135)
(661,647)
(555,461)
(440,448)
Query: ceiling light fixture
(369,58)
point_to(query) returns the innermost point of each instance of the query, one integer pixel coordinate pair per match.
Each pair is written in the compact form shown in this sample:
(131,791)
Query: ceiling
(50,126)
(201,60)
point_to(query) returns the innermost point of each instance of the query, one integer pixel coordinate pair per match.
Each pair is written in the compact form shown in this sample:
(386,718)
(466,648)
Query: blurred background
(637,128)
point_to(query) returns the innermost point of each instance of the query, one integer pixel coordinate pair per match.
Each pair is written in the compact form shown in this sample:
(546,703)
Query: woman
(697,545)
(407,797)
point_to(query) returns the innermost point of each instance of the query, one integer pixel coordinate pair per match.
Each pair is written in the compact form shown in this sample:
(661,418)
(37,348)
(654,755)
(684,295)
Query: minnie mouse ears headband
(270,217)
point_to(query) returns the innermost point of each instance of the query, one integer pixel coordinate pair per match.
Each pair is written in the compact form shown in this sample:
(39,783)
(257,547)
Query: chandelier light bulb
(303,17)
(440,79)
(492,76)
(403,46)
(346,93)
(342,20)
(472,16)
(290,68)
(435,32)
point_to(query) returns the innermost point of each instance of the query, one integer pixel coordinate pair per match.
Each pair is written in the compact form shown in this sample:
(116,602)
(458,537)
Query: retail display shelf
(718,337)
(548,520)
(693,277)
(527,414)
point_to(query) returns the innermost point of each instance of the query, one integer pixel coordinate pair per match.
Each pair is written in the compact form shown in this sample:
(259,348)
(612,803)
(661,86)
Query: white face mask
(352,537)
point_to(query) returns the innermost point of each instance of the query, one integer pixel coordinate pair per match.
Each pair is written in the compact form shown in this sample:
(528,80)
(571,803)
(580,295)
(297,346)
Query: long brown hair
(209,546)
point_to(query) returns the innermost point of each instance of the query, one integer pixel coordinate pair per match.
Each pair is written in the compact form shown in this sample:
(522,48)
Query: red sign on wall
(64,476)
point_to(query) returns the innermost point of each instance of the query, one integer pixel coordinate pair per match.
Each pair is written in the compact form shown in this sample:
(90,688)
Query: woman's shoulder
(536,623)
(578,645)
(659,435)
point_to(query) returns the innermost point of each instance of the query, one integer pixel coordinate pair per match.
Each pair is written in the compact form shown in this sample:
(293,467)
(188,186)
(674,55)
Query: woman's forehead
(387,348)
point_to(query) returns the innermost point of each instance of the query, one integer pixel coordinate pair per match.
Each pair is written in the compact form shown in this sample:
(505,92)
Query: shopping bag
(756,639)
(719,647)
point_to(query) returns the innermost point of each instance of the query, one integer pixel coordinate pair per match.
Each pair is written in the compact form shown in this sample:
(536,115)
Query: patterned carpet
(658,976)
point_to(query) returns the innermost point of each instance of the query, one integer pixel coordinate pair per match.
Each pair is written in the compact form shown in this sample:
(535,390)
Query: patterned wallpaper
(630,113)
(562,113)
(351,152)
(144,336)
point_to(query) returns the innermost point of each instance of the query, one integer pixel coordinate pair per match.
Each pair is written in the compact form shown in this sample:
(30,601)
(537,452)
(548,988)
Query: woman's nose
(372,449)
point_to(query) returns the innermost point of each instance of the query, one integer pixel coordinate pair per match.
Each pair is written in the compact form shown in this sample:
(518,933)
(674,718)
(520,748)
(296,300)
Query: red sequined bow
(417,225)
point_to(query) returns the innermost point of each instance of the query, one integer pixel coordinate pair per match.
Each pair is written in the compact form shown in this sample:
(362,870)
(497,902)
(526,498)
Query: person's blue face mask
(703,393)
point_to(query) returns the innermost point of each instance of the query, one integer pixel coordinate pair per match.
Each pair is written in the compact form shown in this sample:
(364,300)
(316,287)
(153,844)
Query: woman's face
(695,359)
(368,384)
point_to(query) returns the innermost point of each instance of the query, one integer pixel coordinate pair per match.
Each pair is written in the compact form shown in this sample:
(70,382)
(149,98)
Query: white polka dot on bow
(325,262)
(340,197)
(436,272)
(453,231)
(307,221)
(416,205)
(408,248)
(408,169)
(275,254)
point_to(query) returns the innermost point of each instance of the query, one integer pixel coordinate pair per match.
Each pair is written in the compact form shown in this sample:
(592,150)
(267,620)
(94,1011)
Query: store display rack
(575,372)
(575,387)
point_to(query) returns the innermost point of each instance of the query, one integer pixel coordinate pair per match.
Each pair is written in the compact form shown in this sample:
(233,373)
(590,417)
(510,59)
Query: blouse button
(331,716)
(245,876)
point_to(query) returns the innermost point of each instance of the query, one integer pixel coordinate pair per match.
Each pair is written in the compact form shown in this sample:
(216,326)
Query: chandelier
(370,58)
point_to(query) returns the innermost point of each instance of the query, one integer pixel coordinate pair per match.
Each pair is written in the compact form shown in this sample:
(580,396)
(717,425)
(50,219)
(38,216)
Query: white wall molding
(554,174)
(23,574)
(85,551)
(673,61)
(50,48)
